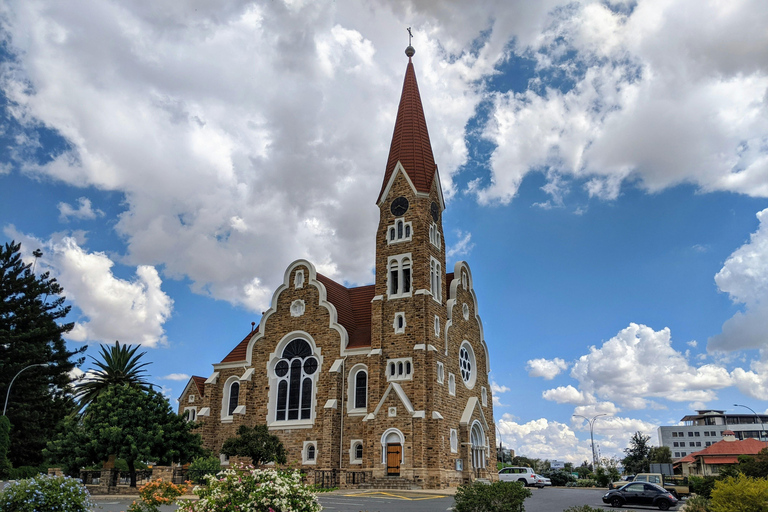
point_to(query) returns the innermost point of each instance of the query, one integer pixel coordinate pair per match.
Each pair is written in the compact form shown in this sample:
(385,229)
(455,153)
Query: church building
(384,385)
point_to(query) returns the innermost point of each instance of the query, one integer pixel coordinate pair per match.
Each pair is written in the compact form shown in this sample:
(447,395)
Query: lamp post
(8,393)
(762,425)
(591,435)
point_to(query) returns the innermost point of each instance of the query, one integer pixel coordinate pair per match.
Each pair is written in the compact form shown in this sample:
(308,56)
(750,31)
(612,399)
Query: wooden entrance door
(394,455)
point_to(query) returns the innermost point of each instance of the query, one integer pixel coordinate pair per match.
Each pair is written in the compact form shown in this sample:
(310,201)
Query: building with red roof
(379,385)
(708,461)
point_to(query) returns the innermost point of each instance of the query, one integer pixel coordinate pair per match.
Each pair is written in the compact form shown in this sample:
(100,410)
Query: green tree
(133,424)
(256,443)
(660,455)
(31,308)
(5,430)
(757,466)
(638,452)
(119,365)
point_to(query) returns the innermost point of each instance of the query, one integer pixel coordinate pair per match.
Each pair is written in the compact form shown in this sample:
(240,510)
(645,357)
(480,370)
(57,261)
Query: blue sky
(605,166)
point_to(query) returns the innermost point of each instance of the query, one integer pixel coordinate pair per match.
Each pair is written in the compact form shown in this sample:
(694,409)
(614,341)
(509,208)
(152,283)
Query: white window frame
(436,280)
(304,453)
(451,384)
(191,399)
(437,326)
(454,440)
(399,329)
(225,416)
(484,396)
(193,416)
(274,380)
(434,236)
(352,446)
(440,373)
(465,311)
(403,362)
(470,384)
(398,264)
(298,279)
(392,228)
(223,459)
(352,387)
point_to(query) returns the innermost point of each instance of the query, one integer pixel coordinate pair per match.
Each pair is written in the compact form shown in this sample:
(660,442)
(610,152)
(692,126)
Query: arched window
(399,229)
(398,232)
(311,452)
(361,389)
(477,438)
(436,280)
(294,381)
(399,275)
(359,451)
(234,397)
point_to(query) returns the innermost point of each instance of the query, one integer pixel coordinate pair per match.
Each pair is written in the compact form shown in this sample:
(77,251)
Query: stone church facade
(378,384)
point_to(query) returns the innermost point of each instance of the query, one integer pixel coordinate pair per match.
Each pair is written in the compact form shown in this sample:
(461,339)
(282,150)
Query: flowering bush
(60,493)
(156,493)
(245,489)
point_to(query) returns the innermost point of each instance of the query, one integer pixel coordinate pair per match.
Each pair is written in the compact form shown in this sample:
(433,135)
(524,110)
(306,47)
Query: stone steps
(391,482)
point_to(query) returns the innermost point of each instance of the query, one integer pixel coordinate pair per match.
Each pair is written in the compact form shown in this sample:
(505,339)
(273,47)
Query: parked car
(640,493)
(624,480)
(542,481)
(518,474)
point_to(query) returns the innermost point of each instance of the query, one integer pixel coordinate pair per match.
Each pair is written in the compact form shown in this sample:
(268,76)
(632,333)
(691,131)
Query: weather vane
(410,36)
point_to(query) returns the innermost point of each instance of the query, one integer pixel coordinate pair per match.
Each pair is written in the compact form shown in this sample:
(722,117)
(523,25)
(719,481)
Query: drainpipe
(341,411)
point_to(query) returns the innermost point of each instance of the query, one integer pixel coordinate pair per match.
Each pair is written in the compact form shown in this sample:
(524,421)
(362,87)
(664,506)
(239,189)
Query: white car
(518,474)
(542,481)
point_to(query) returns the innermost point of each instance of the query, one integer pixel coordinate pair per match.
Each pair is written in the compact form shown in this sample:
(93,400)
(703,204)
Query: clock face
(399,206)
(435,211)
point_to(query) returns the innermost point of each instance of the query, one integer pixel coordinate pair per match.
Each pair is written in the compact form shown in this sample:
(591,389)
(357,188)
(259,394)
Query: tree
(119,365)
(660,455)
(131,423)
(31,308)
(638,452)
(256,443)
(5,430)
(754,466)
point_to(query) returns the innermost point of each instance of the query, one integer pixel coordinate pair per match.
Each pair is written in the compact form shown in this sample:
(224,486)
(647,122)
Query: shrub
(740,494)
(202,466)
(23,472)
(60,493)
(602,477)
(496,497)
(697,504)
(582,508)
(252,490)
(701,485)
(156,493)
(560,478)
(584,482)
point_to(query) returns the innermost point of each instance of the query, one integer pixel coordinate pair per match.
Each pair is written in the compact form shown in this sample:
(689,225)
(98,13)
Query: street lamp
(762,425)
(591,435)
(8,393)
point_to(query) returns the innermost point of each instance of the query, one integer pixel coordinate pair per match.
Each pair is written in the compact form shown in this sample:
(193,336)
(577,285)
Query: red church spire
(410,140)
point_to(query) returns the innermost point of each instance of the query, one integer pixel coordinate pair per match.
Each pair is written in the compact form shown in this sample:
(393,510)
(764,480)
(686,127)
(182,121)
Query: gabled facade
(707,462)
(378,382)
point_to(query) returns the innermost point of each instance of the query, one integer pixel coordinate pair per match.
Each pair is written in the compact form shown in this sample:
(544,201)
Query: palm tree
(120,365)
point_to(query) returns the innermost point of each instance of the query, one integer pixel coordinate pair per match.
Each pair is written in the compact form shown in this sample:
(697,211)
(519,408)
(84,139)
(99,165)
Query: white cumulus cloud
(546,368)
(84,210)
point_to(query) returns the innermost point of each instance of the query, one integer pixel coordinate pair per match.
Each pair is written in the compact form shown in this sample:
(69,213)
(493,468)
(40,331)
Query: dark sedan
(639,493)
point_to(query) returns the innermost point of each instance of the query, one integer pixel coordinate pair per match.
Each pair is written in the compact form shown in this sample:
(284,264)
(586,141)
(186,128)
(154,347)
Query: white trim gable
(472,404)
(403,398)
(398,168)
(191,384)
(452,292)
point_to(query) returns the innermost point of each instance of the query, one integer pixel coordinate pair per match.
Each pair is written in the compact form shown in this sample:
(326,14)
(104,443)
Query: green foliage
(201,466)
(701,485)
(740,494)
(45,493)
(602,477)
(32,313)
(582,508)
(253,490)
(22,472)
(131,424)
(560,478)
(638,452)
(257,444)
(756,466)
(582,482)
(120,365)
(5,440)
(697,504)
(496,497)
(583,471)
(660,455)
(155,494)
(728,471)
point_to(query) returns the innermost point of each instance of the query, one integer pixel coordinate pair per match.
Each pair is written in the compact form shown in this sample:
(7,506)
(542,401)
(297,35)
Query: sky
(605,167)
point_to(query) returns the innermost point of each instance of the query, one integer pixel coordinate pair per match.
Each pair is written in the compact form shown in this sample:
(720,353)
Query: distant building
(708,461)
(706,428)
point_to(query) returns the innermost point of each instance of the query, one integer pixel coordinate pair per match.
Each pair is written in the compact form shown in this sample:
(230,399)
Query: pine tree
(32,313)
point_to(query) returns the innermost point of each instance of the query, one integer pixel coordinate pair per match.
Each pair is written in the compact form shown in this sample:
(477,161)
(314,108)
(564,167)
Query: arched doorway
(477,439)
(392,451)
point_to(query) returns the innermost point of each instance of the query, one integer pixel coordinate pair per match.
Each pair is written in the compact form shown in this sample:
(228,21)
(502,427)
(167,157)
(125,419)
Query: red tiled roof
(746,447)
(353,307)
(410,140)
(731,459)
(239,352)
(200,384)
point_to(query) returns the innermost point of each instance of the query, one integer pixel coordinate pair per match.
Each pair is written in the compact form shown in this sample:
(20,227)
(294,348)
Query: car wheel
(616,502)
(663,505)
(524,482)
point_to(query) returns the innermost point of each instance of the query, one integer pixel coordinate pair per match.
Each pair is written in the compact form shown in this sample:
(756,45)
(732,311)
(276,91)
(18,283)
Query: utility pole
(591,423)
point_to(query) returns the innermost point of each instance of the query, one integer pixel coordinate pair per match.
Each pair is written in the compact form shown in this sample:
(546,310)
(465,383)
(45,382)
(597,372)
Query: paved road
(542,500)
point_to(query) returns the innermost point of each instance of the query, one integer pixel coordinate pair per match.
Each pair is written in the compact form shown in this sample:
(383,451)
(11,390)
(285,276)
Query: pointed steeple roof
(410,140)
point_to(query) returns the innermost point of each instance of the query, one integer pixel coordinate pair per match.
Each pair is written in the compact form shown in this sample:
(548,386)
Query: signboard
(557,464)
